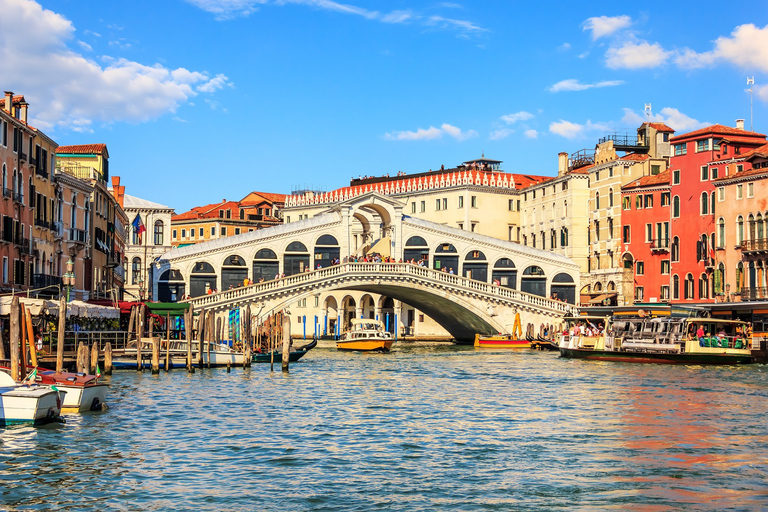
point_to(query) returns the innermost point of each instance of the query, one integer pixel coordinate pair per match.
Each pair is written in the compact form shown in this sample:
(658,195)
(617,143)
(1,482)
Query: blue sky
(201,100)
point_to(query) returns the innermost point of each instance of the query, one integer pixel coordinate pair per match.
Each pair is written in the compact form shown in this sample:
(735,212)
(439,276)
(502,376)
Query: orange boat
(500,341)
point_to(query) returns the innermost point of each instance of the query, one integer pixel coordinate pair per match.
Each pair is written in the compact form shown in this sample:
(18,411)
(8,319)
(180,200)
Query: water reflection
(421,428)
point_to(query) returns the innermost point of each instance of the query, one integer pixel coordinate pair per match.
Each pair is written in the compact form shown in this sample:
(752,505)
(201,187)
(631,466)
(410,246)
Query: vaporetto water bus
(669,340)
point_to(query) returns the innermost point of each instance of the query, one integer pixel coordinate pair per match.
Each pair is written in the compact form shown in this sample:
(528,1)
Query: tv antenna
(750,83)
(647,111)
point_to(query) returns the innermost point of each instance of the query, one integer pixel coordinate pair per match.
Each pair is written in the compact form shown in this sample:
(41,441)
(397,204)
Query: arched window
(676,207)
(565,208)
(159,228)
(704,203)
(676,287)
(739,230)
(688,289)
(718,278)
(675,249)
(703,286)
(751,227)
(135,270)
(739,276)
(760,227)
(73,212)
(721,232)
(5,179)
(712,203)
(610,197)
(597,200)
(563,237)
(87,223)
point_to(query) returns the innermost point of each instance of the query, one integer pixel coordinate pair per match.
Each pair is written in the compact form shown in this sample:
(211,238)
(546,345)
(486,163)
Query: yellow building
(47,275)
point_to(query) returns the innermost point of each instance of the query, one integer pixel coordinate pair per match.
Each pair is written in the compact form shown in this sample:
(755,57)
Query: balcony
(58,229)
(660,245)
(22,156)
(754,246)
(17,198)
(42,223)
(7,236)
(625,142)
(7,193)
(77,235)
(45,280)
(23,244)
(582,158)
(33,161)
(41,172)
(757,293)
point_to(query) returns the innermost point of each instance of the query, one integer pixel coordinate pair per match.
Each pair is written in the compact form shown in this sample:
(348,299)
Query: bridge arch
(171,286)
(505,273)
(416,249)
(331,314)
(475,266)
(564,288)
(202,279)
(265,265)
(327,251)
(534,281)
(233,272)
(446,257)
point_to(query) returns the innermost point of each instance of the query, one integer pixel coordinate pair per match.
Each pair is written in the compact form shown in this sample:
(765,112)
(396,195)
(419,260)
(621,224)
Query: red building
(693,167)
(645,234)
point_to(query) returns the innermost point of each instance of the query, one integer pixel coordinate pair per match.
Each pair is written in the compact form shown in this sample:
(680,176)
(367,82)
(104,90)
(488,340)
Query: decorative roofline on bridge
(490,242)
(405,185)
(245,239)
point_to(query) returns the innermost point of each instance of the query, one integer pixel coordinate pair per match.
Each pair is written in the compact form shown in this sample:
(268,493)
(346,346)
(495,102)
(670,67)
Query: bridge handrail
(370,269)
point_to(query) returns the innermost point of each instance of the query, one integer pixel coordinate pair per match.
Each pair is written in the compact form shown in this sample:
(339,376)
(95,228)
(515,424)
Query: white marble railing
(371,272)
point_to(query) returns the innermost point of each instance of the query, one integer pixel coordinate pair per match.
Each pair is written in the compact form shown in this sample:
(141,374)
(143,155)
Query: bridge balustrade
(371,271)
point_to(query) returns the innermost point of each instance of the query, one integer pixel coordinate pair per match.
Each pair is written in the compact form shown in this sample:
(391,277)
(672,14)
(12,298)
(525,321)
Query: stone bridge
(460,305)
(466,283)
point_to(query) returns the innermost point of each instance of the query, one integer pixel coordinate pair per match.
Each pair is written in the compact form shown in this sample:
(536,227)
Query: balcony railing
(7,236)
(17,198)
(58,229)
(582,158)
(24,246)
(7,192)
(77,235)
(757,293)
(757,245)
(45,280)
(660,245)
(41,172)
(33,161)
(625,140)
(22,156)
(42,223)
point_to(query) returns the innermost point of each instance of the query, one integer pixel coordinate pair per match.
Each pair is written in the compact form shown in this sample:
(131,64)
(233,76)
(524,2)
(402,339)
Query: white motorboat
(366,335)
(21,403)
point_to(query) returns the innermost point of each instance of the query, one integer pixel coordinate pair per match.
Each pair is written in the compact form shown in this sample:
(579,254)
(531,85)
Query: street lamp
(728,291)
(141,287)
(68,279)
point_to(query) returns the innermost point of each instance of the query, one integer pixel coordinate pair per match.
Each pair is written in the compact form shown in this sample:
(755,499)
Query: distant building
(228,218)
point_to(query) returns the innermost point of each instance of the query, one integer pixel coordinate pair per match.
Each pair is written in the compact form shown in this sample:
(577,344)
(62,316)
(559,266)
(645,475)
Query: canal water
(422,428)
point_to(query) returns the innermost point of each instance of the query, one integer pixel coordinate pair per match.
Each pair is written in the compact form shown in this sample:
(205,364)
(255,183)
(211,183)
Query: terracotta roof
(717,129)
(207,211)
(635,157)
(269,196)
(660,127)
(650,181)
(526,180)
(743,174)
(759,152)
(16,99)
(82,149)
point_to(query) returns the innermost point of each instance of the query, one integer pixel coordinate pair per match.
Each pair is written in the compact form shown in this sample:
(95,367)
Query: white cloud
(573,84)
(672,117)
(636,55)
(214,84)
(762,92)
(85,46)
(531,134)
(517,116)
(229,9)
(564,47)
(571,130)
(583,55)
(86,91)
(501,133)
(746,48)
(432,133)
(602,26)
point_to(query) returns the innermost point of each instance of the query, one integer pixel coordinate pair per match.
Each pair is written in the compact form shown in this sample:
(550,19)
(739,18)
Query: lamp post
(728,291)
(68,279)
(141,288)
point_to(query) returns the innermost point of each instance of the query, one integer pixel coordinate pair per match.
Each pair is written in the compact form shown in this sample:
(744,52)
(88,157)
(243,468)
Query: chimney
(562,163)
(118,192)
(740,124)
(8,101)
(24,106)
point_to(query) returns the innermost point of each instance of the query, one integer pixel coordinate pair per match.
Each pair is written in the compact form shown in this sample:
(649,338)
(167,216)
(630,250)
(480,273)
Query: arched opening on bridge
(387,308)
(367,307)
(505,273)
(564,288)
(327,251)
(331,315)
(170,286)
(348,312)
(585,294)
(380,214)
(296,258)
(233,272)
(534,281)
(475,266)
(416,249)
(446,257)
(202,279)
(265,265)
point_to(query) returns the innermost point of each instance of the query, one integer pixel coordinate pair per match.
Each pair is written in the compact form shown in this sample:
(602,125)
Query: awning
(600,298)
(167,308)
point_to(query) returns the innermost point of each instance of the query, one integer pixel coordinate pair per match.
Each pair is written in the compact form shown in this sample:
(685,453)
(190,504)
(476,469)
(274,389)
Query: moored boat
(501,341)
(366,335)
(21,403)
(277,355)
(84,392)
(542,343)
(661,340)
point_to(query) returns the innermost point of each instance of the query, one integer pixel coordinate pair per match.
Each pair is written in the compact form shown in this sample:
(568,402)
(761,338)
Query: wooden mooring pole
(286,342)
(155,355)
(31,338)
(94,357)
(15,335)
(167,342)
(201,323)
(60,334)
(188,327)
(139,335)
(108,358)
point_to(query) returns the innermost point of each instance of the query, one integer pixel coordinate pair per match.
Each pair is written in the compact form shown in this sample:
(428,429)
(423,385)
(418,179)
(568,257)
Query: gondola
(293,356)
(542,343)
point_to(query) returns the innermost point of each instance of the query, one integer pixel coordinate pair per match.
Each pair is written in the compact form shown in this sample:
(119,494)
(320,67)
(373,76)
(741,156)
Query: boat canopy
(168,308)
(367,321)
